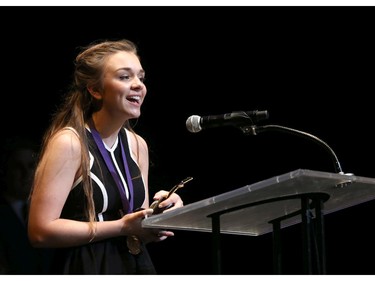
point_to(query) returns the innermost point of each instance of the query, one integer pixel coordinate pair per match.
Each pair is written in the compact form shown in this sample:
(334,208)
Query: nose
(137,83)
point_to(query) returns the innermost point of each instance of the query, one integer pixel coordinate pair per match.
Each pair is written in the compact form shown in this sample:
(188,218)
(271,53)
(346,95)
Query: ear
(94,93)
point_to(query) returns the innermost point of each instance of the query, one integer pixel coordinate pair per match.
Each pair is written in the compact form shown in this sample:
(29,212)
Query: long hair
(79,105)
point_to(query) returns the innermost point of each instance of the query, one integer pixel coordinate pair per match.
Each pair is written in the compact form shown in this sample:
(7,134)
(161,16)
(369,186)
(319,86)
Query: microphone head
(193,124)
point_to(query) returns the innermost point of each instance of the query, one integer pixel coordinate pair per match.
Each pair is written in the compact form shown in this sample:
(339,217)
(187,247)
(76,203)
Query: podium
(300,196)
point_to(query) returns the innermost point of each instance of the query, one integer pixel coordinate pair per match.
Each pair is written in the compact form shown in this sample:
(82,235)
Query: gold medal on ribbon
(134,245)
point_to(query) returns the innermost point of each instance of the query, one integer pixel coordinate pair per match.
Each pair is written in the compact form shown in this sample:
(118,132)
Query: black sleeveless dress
(110,256)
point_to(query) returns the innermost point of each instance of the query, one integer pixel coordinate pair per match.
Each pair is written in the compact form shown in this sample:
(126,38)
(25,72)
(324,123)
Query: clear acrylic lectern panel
(261,207)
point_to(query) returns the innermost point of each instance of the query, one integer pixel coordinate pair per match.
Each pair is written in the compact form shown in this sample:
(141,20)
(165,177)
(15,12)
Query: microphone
(196,123)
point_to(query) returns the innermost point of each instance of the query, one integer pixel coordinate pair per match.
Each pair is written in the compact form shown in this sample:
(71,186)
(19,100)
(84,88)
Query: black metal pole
(276,246)
(306,234)
(321,255)
(216,249)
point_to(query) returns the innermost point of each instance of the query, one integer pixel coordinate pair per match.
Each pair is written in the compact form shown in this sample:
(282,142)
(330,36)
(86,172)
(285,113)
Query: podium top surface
(267,200)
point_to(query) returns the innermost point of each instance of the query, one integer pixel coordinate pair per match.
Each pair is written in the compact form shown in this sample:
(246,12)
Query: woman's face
(123,87)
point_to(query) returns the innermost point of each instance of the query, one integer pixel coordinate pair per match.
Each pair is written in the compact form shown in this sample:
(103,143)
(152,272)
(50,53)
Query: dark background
(312,68)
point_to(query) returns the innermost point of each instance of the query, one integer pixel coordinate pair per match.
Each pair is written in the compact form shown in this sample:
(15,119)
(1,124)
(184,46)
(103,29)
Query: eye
(124,77)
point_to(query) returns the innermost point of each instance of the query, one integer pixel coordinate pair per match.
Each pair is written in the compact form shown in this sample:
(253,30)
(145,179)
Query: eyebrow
(142,71)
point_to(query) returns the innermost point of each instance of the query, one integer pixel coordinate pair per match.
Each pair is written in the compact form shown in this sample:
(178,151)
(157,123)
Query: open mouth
(134,99)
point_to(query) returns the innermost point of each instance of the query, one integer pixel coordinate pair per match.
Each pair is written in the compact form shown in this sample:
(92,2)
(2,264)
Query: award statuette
(134,244)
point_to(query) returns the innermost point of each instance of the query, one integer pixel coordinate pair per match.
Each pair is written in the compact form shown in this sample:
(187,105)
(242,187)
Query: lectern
(300,196)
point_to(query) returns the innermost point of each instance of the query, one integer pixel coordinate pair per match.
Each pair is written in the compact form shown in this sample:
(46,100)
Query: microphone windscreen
(193,124)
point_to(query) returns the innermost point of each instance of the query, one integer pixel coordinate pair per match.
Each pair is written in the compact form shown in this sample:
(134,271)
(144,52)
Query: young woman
(90,191)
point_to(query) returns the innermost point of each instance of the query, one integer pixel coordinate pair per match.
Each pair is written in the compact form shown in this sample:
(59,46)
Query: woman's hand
(132,226)
(166,204)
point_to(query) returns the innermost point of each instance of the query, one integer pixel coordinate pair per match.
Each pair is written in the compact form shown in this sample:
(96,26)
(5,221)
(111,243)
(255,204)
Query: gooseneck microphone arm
(246,122)
(254,130)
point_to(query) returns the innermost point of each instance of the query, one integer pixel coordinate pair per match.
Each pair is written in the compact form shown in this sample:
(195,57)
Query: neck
(107,130)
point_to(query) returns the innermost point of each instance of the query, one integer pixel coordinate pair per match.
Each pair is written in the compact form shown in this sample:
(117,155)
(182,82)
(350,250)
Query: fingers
(177,201)
(147,212)
(141,214)
(160,194)
(174,201)
(162,235)
(155,235)
(165,233)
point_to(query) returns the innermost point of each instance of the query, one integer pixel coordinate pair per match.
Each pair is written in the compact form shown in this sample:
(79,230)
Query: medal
(134,245)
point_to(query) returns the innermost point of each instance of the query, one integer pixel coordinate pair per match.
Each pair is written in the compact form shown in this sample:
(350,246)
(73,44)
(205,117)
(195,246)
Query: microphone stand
(254,130)
(306,208)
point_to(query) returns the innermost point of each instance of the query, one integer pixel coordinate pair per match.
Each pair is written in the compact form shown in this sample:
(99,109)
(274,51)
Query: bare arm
(140,150)
(55,175)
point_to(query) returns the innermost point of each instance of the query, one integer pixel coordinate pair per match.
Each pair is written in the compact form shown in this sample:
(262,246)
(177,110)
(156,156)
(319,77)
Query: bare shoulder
(66,141)
(138,141)
(142,142)
(139,149)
